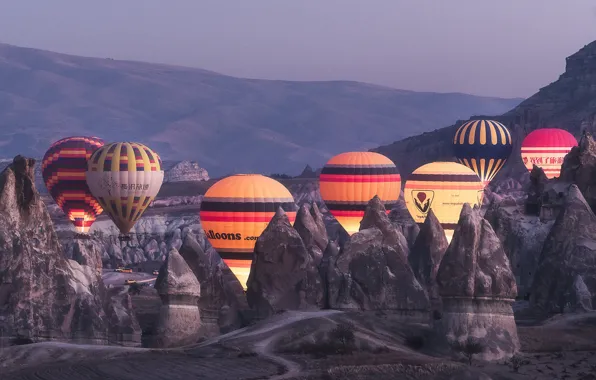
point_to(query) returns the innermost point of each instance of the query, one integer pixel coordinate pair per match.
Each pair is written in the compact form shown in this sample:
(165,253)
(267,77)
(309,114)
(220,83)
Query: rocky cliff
(566,274)
(477,287)
(42,295)
(185,171)
(565,103)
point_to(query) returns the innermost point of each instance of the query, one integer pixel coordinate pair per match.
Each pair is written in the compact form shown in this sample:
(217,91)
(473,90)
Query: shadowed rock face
(401,218)
(579,167)
(475,264)
(522,237)
(567,268)
(222,299)
(369,275)
(477,288)
(376,216)
(426,255)
(179,319)
(41,294)
(310,225)
(372,272)
(282,275)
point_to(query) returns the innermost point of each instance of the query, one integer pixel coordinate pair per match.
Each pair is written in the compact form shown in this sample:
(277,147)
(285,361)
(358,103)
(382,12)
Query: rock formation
(375,215)
(122,323)
(282,275)
(124,328)
(310,225)
(579,167)
(477,288)
(185,171)
(179,318)
(522,237)
(426,255)
(42,296)
(222,301)
(401,218)
(372,273)
(566,275)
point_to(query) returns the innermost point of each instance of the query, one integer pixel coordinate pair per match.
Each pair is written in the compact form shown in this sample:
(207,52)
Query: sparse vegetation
(339,341)
(415,342)
(516,362)
(20,340)
(134,289)
(343,334)
(470,347)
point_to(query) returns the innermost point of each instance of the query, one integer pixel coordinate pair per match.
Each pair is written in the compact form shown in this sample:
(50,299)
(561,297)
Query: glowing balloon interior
(444,187)
(125,178)
(350,180)
(546,148)
(63,170)
(483,146)
(234,213)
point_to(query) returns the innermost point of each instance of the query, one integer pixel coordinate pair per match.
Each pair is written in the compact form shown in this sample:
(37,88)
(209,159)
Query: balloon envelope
(546,148)
(443,187)
(125,178)
(483,146)
(350,180)
(63,170)
(234,213)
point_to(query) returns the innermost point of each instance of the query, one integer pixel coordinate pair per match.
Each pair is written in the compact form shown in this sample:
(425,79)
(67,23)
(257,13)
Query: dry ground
(563,348)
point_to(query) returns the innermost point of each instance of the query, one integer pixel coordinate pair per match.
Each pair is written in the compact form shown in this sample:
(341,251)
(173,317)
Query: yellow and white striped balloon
(125,178)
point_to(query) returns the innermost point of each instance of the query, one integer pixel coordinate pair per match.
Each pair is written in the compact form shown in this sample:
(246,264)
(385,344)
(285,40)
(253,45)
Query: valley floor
(564,348)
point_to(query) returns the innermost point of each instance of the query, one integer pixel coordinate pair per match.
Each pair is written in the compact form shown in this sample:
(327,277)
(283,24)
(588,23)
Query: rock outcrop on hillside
(179,318)
(566,275)
(477,287)
(186,171)
(283,275)
(579,167)
(42,296)
(222,302)
(426,255)
(565,103)
(372,273)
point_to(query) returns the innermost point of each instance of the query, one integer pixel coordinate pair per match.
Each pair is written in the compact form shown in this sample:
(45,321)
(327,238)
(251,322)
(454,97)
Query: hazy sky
(487,47)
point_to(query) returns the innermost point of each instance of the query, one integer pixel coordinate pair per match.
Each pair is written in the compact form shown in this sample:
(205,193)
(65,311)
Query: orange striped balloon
(63,170)
(234,213)
(444,187)
(350,180)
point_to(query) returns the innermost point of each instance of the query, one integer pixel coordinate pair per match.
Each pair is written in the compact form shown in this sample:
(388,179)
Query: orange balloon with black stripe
(350,180)
(443,187)
(234,213)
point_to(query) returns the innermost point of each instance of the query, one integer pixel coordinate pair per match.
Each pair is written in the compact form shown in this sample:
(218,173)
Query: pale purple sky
(503,48)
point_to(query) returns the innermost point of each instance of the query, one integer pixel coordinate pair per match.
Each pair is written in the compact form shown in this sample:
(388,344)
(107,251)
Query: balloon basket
(81,236)
(124,238)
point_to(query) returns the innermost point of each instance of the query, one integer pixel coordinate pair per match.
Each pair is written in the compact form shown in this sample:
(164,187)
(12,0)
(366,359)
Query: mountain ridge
(226,124)
(566,103)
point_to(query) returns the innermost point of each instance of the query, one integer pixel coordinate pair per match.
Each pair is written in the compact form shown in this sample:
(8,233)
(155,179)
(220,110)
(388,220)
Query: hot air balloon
(444,187)
(234,213)
(483,146)
(125,178)
(63,170)
(349,180)
(546,148)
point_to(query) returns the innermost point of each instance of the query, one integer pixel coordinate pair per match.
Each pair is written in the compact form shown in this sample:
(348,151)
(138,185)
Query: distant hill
(568,103)
(226,124)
